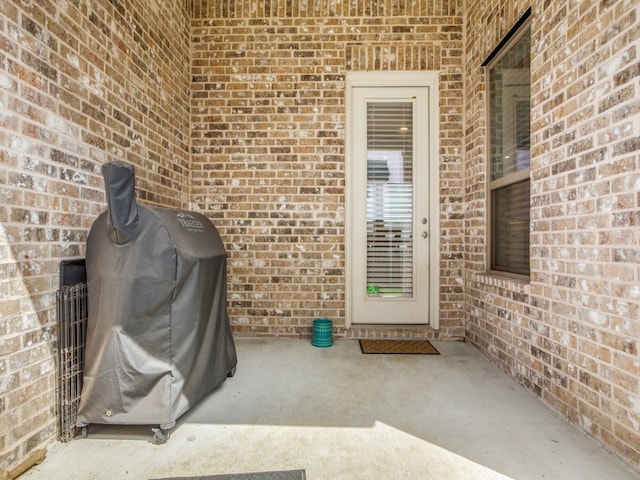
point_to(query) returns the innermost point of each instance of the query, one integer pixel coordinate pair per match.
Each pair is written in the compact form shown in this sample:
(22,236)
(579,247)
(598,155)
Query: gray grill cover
(158,335)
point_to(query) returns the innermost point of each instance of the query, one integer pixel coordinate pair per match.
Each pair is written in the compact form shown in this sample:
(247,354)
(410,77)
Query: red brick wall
(571,334)
(81,83)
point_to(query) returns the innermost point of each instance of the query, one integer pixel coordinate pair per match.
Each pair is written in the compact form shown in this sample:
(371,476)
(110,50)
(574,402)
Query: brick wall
(86,81)
(571,335)
(81,82)
(268,118)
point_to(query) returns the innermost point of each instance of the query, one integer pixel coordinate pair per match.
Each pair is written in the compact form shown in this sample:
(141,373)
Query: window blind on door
(390,198)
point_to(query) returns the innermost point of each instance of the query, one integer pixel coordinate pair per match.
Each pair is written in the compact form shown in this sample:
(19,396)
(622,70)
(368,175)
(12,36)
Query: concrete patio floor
(340,414)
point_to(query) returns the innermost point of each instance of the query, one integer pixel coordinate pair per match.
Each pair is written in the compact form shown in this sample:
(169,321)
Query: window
(509,108)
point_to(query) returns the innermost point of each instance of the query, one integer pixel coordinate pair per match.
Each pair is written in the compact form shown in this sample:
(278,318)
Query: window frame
(515,34)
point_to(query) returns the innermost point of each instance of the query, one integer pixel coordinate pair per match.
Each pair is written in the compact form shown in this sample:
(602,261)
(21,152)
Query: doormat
(280,475)
(415,347)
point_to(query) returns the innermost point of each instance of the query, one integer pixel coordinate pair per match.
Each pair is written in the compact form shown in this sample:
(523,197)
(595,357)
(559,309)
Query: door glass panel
(390,271)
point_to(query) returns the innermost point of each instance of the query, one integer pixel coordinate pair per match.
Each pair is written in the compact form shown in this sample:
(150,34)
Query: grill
(158,335)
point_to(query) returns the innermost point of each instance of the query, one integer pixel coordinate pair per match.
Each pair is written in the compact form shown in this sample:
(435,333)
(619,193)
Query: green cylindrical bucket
(322,333)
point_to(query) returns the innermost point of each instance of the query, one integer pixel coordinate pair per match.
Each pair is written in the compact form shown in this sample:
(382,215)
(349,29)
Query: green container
(322,333)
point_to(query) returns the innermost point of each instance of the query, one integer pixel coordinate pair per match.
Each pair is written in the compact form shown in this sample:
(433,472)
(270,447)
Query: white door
(389,216)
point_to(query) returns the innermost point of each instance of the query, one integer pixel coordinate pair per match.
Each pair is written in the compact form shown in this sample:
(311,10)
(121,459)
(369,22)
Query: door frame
(427,79)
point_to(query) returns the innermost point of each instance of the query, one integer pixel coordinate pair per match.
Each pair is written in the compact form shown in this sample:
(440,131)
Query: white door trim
(399,79)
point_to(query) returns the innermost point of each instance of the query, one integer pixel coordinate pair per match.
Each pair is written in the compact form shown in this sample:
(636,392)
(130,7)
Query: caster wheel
(84,432)
(231,372)
(160,435)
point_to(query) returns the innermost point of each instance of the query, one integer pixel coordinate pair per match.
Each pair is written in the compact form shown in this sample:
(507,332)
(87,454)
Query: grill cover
(158,335)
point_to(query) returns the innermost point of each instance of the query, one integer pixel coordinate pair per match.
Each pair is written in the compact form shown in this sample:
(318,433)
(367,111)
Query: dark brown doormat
(280,475)
(416,347)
